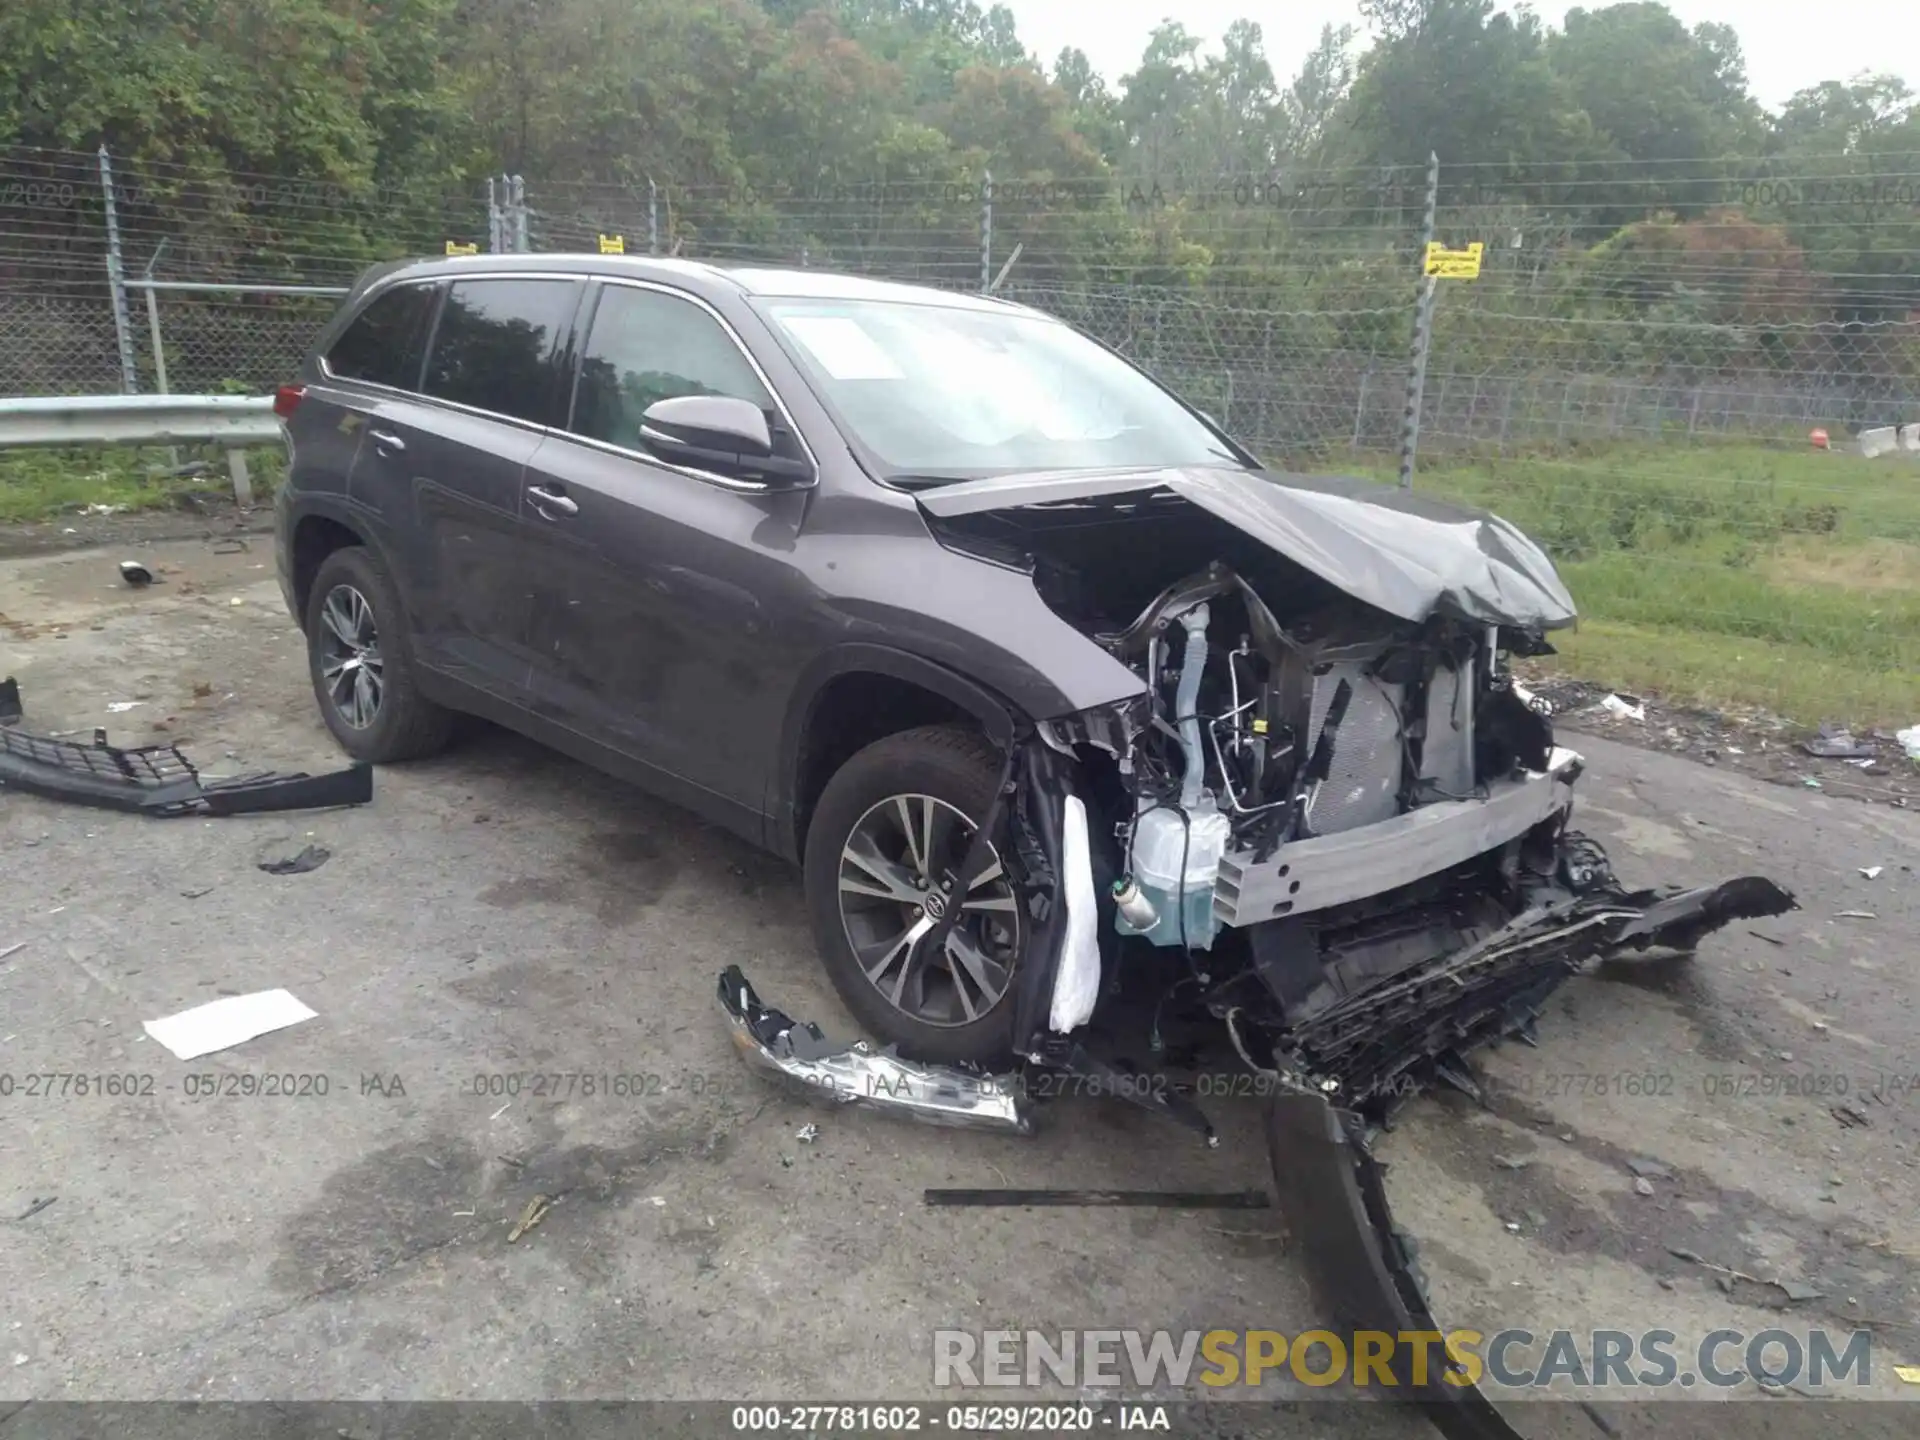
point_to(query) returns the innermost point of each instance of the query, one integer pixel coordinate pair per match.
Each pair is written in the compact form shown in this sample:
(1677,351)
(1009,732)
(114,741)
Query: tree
(1653,88)
(1021,122)
(1317,92)
(1454,76)
(1158,101)
(1872,112)
(1095,112)
(1242,107)
(1856,215)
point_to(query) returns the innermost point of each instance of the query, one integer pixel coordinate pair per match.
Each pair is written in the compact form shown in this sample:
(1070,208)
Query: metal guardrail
(230,420)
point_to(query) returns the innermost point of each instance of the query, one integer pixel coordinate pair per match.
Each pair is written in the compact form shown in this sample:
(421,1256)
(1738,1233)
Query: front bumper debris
(856,1074)
(1361,1267)
(160,780)
(1392,1038)
(1356,1058)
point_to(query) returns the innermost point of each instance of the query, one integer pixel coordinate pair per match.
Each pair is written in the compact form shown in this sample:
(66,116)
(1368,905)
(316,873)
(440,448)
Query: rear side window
(498,345)
(646,346)
(384,344)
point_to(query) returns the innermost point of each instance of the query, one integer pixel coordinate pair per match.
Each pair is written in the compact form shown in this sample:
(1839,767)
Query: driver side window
(645,346)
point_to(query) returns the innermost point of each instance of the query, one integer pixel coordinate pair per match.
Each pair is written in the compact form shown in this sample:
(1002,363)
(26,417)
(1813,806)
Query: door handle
(545,500)
(386,440)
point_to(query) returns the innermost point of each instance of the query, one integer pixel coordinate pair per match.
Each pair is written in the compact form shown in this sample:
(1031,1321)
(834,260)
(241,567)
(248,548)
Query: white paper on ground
(226,1023)
(1077,986)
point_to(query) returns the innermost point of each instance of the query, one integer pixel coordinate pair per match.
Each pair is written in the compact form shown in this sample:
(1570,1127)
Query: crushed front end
(1330,827)
(1355,834)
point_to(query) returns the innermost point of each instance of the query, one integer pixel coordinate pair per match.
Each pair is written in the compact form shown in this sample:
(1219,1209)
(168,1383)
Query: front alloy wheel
(902,856)
(884,846)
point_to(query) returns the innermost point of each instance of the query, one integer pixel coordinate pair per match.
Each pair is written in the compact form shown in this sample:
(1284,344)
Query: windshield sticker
(843,349)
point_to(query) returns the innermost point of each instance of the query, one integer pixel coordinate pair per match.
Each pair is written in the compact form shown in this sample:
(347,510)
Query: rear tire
(907,807)
(360,660)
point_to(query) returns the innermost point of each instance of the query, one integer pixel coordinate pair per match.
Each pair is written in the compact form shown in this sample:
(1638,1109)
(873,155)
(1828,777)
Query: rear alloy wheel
(360,659)
(886,843)
(350,663)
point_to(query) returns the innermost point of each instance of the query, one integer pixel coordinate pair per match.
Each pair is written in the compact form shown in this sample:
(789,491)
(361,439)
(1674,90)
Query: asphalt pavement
(512,963)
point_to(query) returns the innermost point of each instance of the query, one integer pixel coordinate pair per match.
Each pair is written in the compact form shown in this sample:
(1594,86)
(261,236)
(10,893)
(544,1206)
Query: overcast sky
(1789,45)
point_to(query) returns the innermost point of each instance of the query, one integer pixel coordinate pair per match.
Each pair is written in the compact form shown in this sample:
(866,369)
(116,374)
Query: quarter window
(498,346)
(646,346)
(385,342)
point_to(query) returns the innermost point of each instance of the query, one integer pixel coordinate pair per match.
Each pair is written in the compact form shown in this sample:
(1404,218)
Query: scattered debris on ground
(536,1211)
(1138,1199)
(309,859)
(1857,765)
(160,779)
(223,1024)
(1834,742)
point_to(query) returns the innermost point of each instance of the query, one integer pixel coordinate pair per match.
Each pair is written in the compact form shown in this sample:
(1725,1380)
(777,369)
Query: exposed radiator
(1446,758)
(1362,786)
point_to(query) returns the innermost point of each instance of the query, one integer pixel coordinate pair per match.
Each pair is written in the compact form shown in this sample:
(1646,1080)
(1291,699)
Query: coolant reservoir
(1181,893)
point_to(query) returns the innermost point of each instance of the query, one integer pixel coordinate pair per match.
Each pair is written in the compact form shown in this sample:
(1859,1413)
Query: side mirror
(720,433)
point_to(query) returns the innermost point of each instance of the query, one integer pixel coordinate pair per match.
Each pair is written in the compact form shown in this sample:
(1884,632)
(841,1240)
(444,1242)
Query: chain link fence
(1291,304)
(1636,374)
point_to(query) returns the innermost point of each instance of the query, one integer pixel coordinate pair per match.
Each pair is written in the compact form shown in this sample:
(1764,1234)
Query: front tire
(892,826)
(360,659)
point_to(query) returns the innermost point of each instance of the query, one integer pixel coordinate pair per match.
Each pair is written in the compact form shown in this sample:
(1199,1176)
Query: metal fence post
(1422,331)
(986,232)
(653,217)
(494,247)
(153,331)
(116,280)
(1360,408)
(521,242)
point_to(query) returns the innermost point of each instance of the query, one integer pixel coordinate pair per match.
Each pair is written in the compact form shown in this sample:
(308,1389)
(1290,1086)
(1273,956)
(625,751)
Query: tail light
(287,399)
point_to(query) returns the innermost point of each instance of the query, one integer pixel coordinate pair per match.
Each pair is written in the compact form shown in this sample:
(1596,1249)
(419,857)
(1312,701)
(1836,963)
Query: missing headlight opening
(1330,831)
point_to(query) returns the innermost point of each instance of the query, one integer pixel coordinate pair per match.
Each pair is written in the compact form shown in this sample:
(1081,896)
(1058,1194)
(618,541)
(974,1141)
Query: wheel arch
(316,532)
(854,695)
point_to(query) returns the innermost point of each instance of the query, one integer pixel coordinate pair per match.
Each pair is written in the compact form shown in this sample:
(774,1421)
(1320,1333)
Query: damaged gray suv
(1057,696)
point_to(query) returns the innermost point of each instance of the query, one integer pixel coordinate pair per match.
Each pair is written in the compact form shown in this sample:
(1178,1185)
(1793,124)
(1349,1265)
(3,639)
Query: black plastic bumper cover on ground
(160,780)
(1331,1189)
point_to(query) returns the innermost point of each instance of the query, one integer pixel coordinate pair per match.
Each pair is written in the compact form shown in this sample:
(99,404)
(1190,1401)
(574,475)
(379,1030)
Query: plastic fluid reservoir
(1176,859)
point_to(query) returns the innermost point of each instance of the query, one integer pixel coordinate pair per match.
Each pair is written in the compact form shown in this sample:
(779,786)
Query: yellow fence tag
(1445,264)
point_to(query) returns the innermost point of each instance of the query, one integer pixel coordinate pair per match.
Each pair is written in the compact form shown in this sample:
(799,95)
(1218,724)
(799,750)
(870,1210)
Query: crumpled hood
(1412,555)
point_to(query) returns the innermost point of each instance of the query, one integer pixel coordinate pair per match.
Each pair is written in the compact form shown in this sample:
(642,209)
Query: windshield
(948,394)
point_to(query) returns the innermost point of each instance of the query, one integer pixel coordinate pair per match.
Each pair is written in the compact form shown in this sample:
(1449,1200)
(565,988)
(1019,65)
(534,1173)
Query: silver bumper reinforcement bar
(1328,870)
(857,1074)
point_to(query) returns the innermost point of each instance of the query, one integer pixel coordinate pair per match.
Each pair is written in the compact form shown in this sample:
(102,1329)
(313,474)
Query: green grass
(1725,575)
(39,485)
(1722,575)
